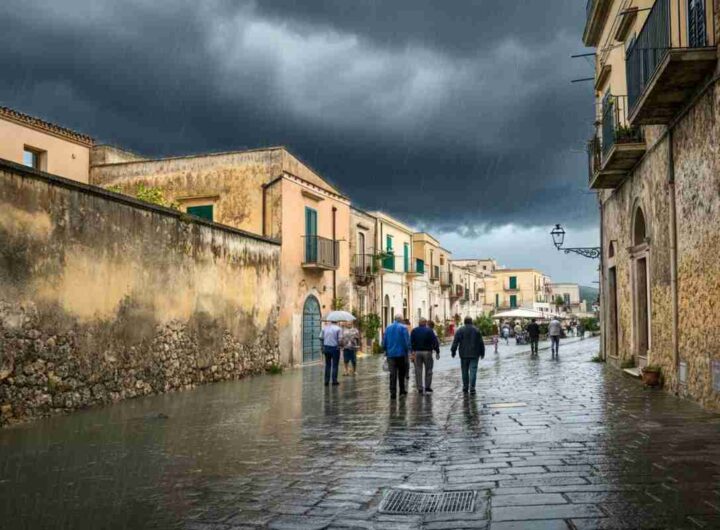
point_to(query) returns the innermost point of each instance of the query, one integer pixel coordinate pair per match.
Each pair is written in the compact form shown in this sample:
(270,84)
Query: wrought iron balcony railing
(321,253)
(365,266)
(615,127)
(664,56)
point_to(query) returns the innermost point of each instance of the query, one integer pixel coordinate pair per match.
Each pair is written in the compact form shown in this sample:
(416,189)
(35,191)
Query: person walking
(411,361)
(331,335)
(423,343)
(350,344)
(469,341)
(533,331)
(396,343)
(506,333)
(554,331)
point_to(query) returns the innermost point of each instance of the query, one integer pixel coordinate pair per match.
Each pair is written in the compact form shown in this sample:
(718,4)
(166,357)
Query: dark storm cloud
(456,113)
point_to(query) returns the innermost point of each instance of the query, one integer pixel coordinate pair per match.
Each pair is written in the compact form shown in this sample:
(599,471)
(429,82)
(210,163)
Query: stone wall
(697,195)
(103,297)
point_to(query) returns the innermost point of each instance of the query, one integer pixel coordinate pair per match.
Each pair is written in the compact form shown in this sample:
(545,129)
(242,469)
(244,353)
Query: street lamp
(558,236)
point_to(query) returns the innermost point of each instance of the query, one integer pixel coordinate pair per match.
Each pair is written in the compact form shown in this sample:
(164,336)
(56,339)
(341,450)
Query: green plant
(597,359)
(339,304)
(369,325)
(625,133)
(457,319)
(589,324)
(628,363)
(652,368)
(559,301)
(377,348)
(149,194)
(544,328)
(274,368)
(486,325)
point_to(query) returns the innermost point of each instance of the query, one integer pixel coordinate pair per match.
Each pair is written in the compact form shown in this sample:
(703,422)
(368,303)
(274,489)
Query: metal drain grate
(408,502)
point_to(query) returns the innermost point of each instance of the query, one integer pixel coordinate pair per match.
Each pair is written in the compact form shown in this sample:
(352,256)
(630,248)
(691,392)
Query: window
(203,212)
(442,260)
(497,300)
(566,297)
(389,260)
(311,241)
(33,158)
(513,282)
(513,300)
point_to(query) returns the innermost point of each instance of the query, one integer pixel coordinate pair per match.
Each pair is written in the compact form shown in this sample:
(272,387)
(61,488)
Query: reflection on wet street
(567,444)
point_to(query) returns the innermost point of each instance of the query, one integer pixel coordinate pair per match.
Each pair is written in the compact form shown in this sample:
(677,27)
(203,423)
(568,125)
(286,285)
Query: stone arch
(639,225)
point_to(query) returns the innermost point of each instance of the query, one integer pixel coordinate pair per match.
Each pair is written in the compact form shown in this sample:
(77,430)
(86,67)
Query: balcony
(364,268)
(621,147)
(457,292)
(388,261)
(510,287)
(415,267)
(321,253)
(668,61)
(434,273)
(596,12)
(446,279)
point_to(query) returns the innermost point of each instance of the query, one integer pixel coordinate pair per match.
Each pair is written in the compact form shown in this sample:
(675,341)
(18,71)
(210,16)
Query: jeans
(398,367)
(534,345)
(554,343)
(468,367)
(332,359)
(423,359)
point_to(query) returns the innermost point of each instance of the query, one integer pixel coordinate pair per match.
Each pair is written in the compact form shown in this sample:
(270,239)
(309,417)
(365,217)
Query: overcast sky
(457,116)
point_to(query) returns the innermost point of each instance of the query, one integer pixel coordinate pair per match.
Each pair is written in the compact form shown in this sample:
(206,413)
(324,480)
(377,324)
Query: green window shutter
(311,244)
(203,212)
(497,300)
(513,300)
(513,282)
(406,257)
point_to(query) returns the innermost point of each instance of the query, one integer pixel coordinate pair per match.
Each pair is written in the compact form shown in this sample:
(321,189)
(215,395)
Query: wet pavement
(545,444)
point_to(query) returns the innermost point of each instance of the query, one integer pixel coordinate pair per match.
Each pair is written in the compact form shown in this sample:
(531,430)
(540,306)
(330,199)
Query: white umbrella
(339,316)
(519,313)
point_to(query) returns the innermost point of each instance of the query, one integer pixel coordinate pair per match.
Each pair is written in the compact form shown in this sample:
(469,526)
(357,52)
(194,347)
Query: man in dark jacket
(534,333)
(470,342)
(423,343)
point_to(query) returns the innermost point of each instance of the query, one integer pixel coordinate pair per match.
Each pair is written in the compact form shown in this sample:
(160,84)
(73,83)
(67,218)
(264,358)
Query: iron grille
(412,502)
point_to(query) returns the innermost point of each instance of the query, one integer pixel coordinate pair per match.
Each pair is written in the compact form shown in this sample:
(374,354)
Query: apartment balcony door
(697,27)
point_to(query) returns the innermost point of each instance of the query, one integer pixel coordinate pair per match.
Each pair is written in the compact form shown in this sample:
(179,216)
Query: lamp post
(558,236)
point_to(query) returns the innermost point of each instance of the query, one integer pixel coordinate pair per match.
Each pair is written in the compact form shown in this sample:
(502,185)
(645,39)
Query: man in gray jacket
(470,342)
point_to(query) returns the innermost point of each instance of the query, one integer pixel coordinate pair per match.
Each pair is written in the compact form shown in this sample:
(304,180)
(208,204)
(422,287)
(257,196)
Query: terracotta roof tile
(6,112)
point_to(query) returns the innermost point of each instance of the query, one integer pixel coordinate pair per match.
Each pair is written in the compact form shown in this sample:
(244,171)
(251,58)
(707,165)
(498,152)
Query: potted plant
(651,375)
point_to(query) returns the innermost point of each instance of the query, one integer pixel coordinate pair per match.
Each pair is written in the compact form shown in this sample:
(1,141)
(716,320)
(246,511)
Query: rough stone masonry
(103,297)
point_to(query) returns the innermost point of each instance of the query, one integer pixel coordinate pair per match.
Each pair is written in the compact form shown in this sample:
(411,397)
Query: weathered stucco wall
(232,181)
(104,298)
(697,195)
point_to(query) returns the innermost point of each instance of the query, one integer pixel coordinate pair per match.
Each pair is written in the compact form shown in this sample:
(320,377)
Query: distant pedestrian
(408,326)
(396,343)
(554,331)
(533,331)
(506,333)
(331,335)
(469,341)
(350,344)
(496,340)
(423,343)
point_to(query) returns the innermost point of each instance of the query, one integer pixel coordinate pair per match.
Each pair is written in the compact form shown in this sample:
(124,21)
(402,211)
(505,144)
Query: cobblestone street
(545,444)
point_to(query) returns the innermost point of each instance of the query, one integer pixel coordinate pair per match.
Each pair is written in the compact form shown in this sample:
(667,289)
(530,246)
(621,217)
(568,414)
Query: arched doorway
(641,286)
(311,326)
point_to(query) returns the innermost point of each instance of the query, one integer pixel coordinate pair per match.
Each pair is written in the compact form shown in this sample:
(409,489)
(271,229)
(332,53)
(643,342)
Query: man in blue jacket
(424,343)
(472,348)
(396,343)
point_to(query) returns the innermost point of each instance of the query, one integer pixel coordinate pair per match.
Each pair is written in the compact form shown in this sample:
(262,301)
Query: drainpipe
(335,256)
(673,253)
